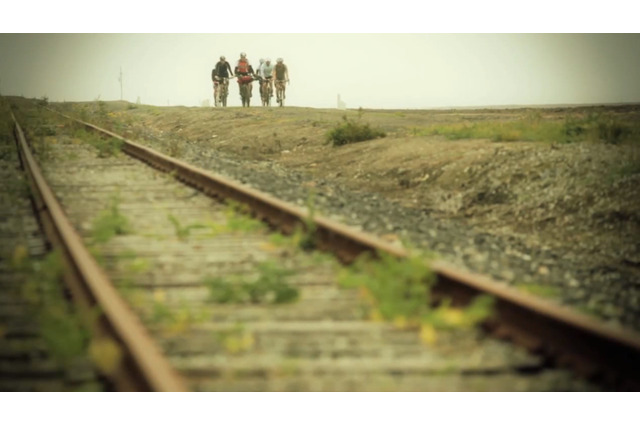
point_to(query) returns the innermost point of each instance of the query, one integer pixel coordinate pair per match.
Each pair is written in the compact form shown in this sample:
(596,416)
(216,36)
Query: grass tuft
(110,223)
(352,131)
(399,291)
(270,286)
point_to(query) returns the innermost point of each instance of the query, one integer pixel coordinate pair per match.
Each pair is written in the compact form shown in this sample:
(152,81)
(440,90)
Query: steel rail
(570,338)
(143,367)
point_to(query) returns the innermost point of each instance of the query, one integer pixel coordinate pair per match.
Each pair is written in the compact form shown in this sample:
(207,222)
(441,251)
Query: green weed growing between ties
(307,239)
(350,131)
(304,235)
(235,339)
(239,219)
(399,290)
(172,319)
(183,231)
(110,223)
(106,146)
(270,286)
(61,325)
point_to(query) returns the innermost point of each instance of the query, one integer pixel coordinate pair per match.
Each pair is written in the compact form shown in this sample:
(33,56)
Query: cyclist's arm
(229,68)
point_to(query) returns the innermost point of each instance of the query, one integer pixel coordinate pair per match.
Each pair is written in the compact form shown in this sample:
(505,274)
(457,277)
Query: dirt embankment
(562,215)
(581,196)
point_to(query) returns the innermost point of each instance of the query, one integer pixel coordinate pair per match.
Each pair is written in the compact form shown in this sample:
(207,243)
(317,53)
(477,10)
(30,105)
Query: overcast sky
(367,70)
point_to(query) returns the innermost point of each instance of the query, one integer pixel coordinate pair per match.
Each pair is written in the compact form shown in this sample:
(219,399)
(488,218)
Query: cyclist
(282,75)
(244,71)
(220,74)
(267,73)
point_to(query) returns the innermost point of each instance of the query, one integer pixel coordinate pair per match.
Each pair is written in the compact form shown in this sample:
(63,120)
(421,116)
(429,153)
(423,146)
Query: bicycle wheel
(224,94)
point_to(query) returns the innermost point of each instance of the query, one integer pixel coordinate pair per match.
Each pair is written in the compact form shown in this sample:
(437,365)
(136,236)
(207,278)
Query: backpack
(243,66)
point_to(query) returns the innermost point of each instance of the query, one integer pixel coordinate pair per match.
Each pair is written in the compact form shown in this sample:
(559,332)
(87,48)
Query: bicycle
(244,83)
(222,92)
(280,89)
(266,91)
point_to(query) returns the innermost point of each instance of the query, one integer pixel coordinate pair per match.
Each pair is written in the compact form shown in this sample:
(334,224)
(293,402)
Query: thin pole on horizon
(120,80)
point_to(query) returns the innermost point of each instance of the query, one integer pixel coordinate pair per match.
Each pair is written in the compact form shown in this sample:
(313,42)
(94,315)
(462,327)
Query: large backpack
(243,66)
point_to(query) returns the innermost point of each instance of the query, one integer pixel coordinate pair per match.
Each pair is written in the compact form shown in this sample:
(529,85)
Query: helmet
(243,55)
(222,58)
(261,60)
(268,60)
(279,59)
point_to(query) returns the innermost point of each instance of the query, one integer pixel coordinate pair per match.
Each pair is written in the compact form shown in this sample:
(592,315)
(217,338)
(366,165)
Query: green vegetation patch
(349,131)
(399,290)
(64,329)
(539,290)
(110,223)
(183,231)
(239,219)
(521,130)
(593,127)
(106,146)
(270,286)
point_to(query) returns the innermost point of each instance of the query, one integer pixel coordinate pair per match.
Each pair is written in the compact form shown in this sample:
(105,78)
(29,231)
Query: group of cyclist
(267,74)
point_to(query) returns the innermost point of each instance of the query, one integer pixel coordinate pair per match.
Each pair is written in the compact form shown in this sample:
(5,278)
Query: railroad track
(321,342)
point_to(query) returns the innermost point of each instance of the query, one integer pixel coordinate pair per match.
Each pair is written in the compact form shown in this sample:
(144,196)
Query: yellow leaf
(30,293)
(247,341)
(106,355)
(453,317)
(428,334)
(19,256)
(268,247)
(232,345)
(181,323)
(400,322)
(159,296)
(239,343)
(137,299)
(365,293)
(375,316)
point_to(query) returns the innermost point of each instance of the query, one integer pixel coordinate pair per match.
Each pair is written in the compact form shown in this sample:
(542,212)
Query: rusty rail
(571,339)
(143,367)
